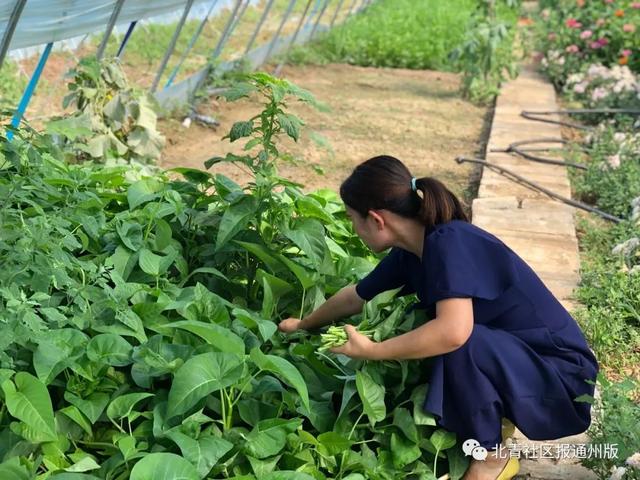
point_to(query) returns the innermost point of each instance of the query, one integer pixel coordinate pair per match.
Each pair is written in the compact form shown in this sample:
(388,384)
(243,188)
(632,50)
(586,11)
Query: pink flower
(573,23)
(635,5)
(613,160)
(572,49)
(626,53)
(580,87)
(552,36)
(586,34)
(603,41)
(600,22)
(629,27)
(595,45)
(608,1)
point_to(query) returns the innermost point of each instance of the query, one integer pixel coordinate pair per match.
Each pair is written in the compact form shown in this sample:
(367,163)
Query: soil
(416,116)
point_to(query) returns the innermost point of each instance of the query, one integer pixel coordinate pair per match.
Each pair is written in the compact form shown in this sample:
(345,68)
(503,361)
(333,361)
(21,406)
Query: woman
(503,346)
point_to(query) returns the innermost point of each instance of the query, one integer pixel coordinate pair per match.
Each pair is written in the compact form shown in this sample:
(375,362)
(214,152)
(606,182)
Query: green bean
(336,337)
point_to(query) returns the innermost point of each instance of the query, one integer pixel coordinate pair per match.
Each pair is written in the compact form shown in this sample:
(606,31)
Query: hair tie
(413,184)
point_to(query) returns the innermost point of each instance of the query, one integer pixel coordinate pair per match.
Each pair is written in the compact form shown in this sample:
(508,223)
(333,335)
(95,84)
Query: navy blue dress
(526,359)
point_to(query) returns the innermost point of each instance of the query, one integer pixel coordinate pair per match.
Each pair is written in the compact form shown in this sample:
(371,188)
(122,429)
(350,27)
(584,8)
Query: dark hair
(384,182)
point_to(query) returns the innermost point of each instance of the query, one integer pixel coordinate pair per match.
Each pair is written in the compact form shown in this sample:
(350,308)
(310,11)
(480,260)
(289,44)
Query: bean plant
(138,324)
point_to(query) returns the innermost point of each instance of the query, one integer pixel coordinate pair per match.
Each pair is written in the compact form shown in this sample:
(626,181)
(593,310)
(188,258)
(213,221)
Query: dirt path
(416,116)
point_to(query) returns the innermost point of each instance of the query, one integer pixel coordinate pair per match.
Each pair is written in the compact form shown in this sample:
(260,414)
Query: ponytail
(384,182)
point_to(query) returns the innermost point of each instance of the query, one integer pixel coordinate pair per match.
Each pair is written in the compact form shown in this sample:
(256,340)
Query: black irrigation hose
(534,115)
(534,186)
(514,148)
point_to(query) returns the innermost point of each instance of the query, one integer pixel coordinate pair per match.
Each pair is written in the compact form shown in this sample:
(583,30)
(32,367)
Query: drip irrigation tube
(522,152)
(534,186)
(535,115)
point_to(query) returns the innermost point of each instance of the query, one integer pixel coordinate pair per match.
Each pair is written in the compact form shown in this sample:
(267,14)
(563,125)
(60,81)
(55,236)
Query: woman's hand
(358,346)
(289,325)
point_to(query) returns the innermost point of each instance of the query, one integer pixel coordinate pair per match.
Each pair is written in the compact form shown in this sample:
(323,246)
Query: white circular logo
(472,447)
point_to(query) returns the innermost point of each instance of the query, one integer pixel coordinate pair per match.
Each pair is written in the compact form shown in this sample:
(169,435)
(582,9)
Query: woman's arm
(447,332)
(343,304)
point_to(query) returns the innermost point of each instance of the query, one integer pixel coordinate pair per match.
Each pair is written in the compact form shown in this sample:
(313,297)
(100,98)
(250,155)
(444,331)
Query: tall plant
(486,56)
(113,120)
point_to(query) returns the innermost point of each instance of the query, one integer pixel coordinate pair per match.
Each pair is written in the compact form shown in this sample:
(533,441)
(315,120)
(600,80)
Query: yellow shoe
(510,470)
(508,429)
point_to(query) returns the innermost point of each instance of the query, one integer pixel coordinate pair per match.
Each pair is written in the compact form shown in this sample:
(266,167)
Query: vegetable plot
(138,321)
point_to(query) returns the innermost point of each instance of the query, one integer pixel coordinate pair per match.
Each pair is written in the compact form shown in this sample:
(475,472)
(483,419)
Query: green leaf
(163,466)
(420,416)
(12,469)
(305,277)
(266,328)
(268,302)
(458,463)
(269,437)
(403,451)
(123,405)
(74,414)
(109,348)
(72,127)
(287,475)
(263,254)
(143,191)
(220,337)
(201,376)
(235,218)
(238,91)
(92,406)
(240,130)
(203,453)
(285,370)
(163,233)
(290,124)
(84,465)
(442,440)
(308,235)
(28,400)
(372,397)
(404,421)
(131,235)
(263,467)
(151,263)
(334,443)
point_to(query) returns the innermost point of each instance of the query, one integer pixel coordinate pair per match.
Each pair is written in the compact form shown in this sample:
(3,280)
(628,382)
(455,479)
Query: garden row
(590,52)
(138,319)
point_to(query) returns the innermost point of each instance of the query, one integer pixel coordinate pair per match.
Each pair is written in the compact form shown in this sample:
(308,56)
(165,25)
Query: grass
(417,34)
(12,84)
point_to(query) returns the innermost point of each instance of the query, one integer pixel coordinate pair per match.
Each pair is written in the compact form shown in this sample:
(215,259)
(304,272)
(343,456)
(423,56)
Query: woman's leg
(495,374)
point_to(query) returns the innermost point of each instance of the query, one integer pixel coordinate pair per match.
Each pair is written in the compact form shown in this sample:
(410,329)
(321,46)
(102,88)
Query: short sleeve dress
(526,359)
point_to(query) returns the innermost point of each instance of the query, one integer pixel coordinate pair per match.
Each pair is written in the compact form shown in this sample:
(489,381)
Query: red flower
(573,23)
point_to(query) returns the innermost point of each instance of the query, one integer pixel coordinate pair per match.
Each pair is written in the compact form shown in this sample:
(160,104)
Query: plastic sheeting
(44,21)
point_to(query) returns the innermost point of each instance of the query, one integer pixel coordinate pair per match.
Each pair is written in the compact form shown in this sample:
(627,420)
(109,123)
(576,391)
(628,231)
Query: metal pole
(255,32)
(238,18)
(127,35)
(315,25)
(284,20)
(276,72)
(110,25)
(227,27)
(11,28)
(31,87)
(335,14)
(192,42)
(353,4)
(172,45)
